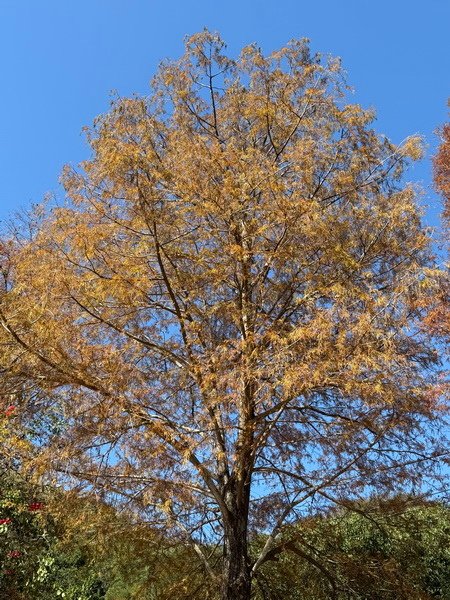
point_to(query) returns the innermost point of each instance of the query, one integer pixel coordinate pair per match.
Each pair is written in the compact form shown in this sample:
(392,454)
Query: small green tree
(35,564)
(380,551)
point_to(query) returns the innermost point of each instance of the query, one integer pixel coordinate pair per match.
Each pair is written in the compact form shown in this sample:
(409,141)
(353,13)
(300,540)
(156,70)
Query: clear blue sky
(60,59)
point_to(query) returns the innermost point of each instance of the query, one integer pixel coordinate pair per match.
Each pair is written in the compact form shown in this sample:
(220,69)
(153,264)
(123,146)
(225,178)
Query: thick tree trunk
(236,571)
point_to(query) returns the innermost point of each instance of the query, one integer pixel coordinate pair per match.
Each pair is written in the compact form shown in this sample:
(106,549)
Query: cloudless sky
(60,59)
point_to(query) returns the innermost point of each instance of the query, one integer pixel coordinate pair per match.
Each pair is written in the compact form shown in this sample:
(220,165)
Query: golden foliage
(230,299)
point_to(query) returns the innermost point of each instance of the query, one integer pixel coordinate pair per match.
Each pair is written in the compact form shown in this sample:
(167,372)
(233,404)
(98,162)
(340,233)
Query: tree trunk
(236,570)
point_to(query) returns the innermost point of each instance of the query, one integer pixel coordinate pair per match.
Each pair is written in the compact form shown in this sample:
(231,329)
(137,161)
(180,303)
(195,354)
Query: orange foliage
(224,319)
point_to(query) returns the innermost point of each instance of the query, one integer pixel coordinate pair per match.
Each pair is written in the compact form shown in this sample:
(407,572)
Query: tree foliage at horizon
(225,322)
(388,549)
(65,545)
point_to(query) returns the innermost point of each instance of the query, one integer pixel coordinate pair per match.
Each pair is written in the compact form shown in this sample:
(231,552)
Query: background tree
(442,168)
(386,550)
(224,320)
(55,544)
(439,319)
(34,560)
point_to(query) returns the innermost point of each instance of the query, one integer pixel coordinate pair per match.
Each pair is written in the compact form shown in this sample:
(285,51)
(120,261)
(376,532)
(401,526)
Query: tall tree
(224,319)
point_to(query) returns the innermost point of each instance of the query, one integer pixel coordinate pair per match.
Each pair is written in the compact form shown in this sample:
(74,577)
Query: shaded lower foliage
(385,551)
(55,544)
(59,545)
(35,564)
